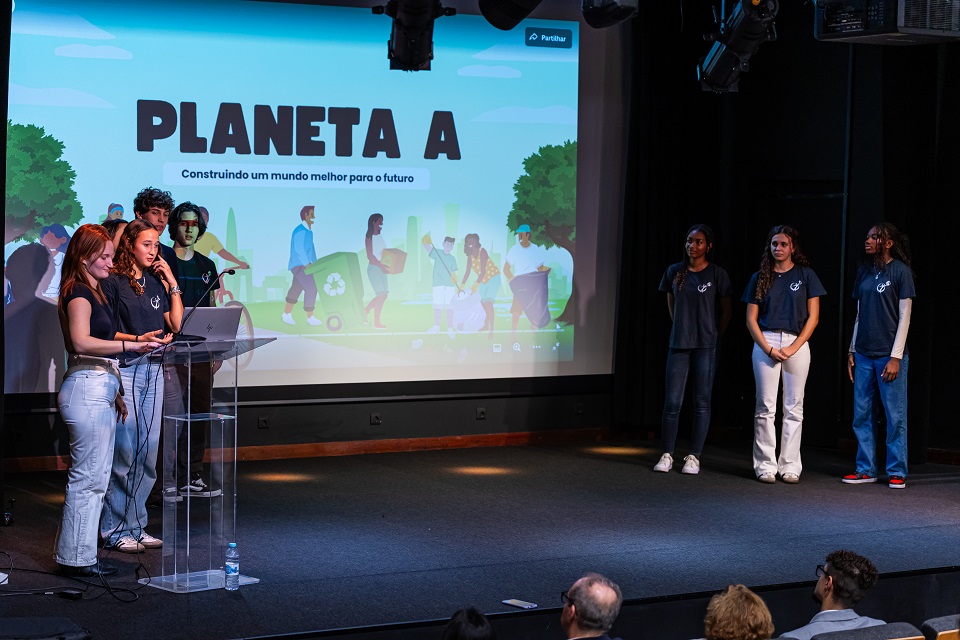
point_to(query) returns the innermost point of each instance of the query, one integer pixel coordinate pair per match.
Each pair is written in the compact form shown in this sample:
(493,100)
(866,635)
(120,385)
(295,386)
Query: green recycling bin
(339,289)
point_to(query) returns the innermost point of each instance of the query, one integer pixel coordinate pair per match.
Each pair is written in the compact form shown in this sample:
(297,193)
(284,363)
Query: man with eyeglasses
(841,584)
(590,606)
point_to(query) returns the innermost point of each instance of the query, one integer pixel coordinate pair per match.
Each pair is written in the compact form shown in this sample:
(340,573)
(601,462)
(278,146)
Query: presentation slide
(383,225)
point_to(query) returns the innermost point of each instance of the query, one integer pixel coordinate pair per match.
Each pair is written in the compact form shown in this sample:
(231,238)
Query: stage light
(411,38)
(611,450)
(738,39)
(506,14)
(283,477)
(482,471)
(606,13)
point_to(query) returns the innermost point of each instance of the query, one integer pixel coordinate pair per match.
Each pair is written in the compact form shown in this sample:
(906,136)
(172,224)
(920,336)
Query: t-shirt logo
(703,288)
(206,278)
(795,286)
(882,286)
(155,302)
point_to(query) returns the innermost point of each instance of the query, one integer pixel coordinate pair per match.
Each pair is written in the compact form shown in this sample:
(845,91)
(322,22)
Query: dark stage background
(826,137)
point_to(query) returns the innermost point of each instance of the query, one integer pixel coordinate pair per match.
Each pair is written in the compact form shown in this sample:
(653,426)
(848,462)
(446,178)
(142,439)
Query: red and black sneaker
(897,482)
(858,478)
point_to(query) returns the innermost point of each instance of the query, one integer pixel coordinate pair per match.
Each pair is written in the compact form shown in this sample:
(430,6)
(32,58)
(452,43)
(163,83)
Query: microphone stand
(179,336)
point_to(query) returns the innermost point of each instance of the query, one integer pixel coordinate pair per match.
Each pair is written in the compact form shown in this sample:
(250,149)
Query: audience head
(736,613)
(590,606)
(469,624)
(845,579)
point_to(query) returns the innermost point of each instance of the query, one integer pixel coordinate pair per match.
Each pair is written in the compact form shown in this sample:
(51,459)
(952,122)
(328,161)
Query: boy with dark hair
(198,280)
(154,206)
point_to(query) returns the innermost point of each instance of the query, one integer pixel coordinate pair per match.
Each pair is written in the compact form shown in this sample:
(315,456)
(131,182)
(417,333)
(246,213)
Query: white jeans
(767,373)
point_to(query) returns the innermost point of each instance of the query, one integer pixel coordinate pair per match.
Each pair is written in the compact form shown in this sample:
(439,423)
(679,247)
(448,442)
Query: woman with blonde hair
(90,399)
(736,613)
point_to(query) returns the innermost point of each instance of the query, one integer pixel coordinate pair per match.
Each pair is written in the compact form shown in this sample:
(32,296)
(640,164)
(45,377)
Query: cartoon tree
(39,184)
(546,199)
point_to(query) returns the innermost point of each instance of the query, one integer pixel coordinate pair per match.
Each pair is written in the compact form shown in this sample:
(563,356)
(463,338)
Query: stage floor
(362,540)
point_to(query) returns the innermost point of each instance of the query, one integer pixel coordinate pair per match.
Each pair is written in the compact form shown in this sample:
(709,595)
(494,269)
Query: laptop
(206,325)
(212,323)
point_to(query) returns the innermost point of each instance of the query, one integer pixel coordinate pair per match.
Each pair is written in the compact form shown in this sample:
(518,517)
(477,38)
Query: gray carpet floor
(353,541)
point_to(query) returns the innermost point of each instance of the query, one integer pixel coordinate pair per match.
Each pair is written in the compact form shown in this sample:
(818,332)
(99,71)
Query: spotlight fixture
(750,25)
(506,14)
(411,38)
(606,13)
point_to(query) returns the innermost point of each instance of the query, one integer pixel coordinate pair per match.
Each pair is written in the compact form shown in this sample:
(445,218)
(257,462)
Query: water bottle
(231,568)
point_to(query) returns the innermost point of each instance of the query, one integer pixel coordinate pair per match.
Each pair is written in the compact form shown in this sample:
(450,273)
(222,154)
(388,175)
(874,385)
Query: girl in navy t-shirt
(144,289)
(783,308)
(698,301)
(877,360)
(90,397)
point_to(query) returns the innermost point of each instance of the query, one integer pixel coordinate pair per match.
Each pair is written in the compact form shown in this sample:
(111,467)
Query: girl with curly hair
(144,292)
(783,308)
(877,360)
(698,301)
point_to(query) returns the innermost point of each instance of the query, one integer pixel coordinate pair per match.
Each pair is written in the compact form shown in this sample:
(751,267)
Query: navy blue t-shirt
(879,293)
(696,306)
(138,314)
(102,322)
(784,308)
(195,275)
(170,256)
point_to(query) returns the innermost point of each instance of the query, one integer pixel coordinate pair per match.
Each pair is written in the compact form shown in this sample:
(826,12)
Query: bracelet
(124,345)
(136,338)
(770,353)
(175,291)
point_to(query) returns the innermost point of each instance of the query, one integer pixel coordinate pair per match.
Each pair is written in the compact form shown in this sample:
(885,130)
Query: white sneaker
(790,478)
(149,542)
(314,321)
(665,464)
(126,544)
(434,329)
(287,318)
(691,466)
(767,478)
(451,334)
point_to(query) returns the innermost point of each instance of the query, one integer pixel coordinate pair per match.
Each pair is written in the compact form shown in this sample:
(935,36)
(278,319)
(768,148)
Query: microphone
(179,336)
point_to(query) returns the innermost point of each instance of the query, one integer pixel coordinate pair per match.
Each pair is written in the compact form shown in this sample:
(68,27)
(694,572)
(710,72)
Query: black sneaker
(198,489)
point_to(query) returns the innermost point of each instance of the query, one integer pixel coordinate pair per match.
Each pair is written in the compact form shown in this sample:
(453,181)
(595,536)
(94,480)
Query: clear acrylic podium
(198,526)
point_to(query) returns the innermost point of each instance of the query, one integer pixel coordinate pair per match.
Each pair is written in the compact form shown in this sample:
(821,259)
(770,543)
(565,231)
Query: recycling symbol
(334,286)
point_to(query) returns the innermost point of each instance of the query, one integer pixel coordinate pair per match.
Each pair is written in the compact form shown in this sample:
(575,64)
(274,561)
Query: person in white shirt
(524,257)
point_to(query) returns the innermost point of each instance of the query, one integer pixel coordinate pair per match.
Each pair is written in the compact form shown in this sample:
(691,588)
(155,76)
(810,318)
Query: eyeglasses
(565,599)
(822,571)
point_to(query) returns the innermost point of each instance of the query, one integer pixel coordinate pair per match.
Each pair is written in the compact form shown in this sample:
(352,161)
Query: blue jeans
(893,395)
(86,405)
(135,454)
(679,363)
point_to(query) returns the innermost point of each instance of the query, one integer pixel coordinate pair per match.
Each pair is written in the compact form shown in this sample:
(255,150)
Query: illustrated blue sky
(78,69)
